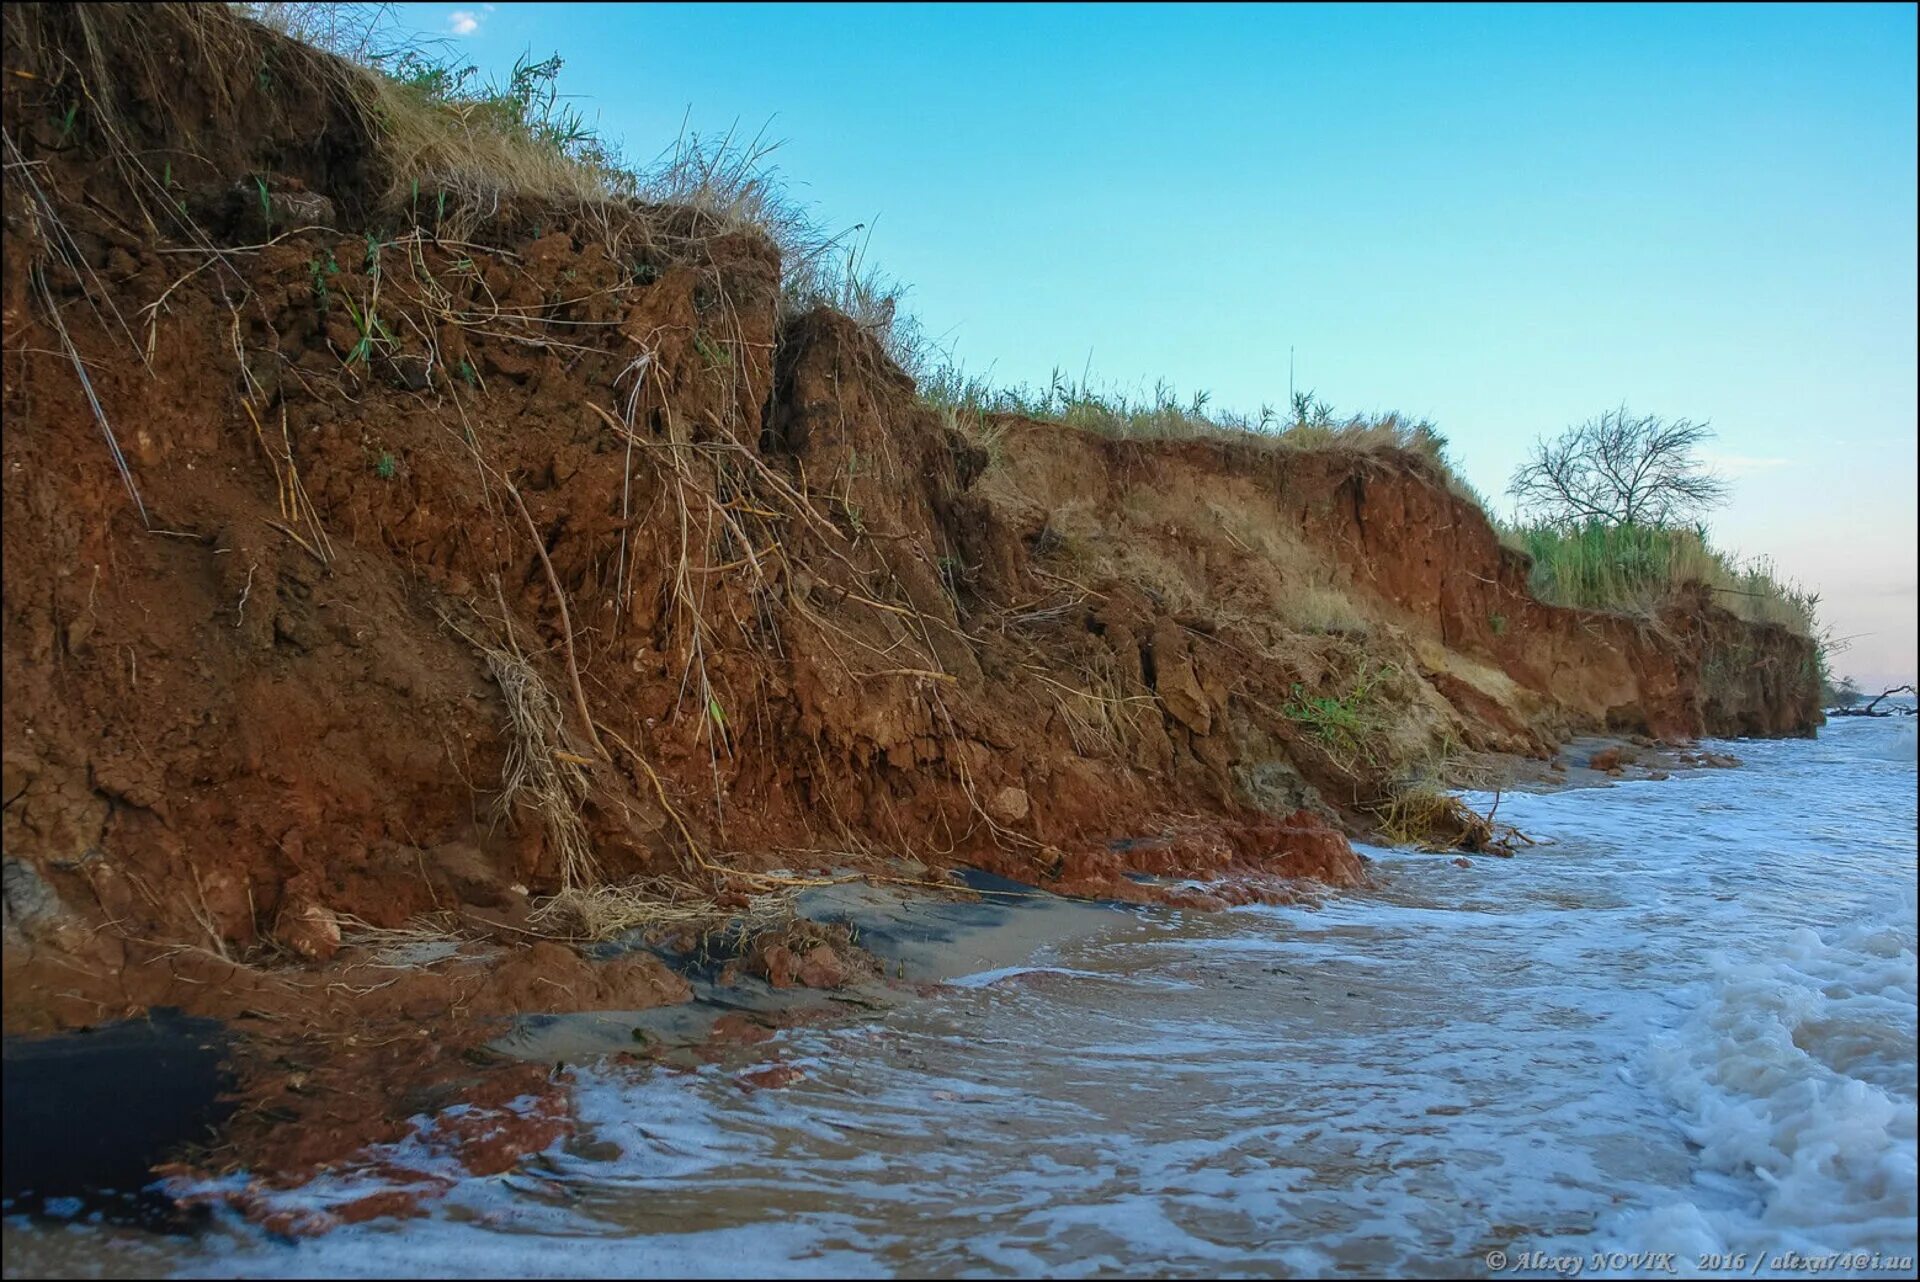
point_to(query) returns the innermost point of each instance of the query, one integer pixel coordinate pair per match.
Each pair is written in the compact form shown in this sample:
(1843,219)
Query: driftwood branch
(1868,709)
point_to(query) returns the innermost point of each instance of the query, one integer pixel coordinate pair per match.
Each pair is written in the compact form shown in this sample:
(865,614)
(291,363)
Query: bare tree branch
(1620,470)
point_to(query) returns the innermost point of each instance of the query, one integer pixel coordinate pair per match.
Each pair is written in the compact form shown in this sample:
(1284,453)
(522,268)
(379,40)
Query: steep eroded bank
(464,564)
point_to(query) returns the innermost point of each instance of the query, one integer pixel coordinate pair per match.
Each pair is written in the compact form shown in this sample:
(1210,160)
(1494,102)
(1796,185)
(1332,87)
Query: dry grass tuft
(1101,718)
(469,149)
(535,770)
(1424,817)
(607,912)
(422,941)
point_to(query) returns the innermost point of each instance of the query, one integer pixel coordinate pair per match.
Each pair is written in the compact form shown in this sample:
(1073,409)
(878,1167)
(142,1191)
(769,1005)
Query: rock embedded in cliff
(470,873)
(638,981)
(777,965)
(1176,682)
(801,965)
(551,977)
(310,929)
(262,206)
(226,897)
(1009,805)
(29,907)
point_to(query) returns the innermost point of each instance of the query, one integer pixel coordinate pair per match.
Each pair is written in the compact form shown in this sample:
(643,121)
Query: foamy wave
(1902,745)
(1795,1078)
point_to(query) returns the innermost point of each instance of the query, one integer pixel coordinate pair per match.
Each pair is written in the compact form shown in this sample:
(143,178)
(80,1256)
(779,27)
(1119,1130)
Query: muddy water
(1684,1023)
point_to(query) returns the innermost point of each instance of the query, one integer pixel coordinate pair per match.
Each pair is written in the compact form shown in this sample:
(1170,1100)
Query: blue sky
(1506,218)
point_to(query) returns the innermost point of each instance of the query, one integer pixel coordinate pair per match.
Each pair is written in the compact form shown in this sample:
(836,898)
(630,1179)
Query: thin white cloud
(464,22)
(1739,464)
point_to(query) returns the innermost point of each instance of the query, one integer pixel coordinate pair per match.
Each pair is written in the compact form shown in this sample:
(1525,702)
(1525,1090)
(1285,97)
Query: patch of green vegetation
(719,360)
(1160,413)
(386,467)
(1634,568)
(318,271)
(168,185)
(1344,722)
(372,330)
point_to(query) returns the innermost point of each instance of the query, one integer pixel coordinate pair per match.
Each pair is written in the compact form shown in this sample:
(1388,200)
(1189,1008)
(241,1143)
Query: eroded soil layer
(360,575)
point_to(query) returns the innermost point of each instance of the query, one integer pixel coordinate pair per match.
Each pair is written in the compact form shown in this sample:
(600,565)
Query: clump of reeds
(1634,568)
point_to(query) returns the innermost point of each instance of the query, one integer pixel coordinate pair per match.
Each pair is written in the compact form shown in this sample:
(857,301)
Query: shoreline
(1253,1063)
(468,596)
(892,944)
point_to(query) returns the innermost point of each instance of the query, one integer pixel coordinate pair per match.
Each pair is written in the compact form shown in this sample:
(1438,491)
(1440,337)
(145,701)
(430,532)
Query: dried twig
(566,619)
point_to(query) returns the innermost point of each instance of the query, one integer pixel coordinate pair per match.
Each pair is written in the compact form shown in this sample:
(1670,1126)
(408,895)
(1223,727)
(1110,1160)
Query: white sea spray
(1795,1074)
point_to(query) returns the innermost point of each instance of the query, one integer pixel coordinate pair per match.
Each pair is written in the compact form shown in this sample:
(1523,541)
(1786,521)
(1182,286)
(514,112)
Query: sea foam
(1795,1077)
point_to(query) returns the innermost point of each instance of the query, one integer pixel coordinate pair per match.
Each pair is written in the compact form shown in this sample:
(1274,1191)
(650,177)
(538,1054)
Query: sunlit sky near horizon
(1505,219)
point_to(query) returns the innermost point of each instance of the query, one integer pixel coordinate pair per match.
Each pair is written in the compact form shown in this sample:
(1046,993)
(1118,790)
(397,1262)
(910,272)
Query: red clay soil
(587,508)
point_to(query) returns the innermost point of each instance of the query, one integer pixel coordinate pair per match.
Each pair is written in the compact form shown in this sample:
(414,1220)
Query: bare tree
(1619,470)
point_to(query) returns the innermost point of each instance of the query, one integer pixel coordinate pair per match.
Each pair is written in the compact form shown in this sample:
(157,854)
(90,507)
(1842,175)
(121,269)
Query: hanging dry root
(536,767)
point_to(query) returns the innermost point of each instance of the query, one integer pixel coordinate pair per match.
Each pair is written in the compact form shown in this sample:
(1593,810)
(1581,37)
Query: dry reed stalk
(607,911)
(693,847)
(203,915)
(51,231)
(566,619)
(421,941)
(42,212)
